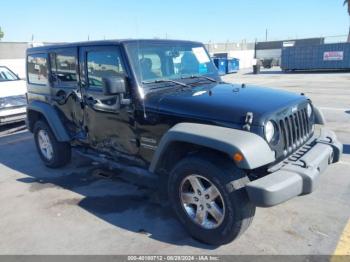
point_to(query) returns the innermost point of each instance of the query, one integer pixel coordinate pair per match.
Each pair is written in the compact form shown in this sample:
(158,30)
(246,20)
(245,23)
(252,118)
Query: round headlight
(309,110)
(269,131)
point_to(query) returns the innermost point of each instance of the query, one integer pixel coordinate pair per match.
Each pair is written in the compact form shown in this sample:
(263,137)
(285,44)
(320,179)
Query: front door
(109,123)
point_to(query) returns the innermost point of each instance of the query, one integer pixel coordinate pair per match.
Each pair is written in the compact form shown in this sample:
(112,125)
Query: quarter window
(102,64)
(63,67)
(37,69)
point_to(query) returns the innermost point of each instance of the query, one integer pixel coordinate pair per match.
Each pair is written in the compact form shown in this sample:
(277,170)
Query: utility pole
(1,34)
(256,40)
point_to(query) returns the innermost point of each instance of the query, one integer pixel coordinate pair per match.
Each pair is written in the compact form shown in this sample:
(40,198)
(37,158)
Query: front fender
(255,150)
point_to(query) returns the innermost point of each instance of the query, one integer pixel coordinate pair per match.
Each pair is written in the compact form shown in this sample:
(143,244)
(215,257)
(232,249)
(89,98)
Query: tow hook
(330,139)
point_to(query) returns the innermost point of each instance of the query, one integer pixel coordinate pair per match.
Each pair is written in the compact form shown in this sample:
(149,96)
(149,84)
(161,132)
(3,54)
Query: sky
(200,20)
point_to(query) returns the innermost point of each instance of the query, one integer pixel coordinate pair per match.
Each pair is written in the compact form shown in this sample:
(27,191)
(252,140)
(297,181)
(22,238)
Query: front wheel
(212,208)
(52,152)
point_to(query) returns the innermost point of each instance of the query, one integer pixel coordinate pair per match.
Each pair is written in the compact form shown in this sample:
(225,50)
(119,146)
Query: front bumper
(297,175)
(12,115)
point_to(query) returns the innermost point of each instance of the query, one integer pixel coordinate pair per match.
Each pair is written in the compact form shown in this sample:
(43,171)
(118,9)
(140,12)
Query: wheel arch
(37,110)
(177,150)
(221,140)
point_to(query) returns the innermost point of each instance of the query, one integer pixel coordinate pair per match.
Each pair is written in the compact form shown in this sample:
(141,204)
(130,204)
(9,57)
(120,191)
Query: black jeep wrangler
(158,110)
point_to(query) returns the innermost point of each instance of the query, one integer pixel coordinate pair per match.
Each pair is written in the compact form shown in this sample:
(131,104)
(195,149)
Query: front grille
(295,130)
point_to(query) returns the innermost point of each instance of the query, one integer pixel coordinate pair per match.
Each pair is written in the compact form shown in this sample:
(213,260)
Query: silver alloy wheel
(202,201)
(45,144)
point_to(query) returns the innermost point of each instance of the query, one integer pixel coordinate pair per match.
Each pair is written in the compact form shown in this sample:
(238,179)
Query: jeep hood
(226,103)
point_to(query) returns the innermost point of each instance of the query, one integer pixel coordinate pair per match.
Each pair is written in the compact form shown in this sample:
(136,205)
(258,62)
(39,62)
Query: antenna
(141,92)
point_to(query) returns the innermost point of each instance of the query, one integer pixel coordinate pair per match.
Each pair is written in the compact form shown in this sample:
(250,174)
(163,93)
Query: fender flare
(51,117)
(255,150)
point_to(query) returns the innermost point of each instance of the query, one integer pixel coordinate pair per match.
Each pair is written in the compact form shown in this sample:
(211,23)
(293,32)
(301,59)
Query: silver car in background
(12,97)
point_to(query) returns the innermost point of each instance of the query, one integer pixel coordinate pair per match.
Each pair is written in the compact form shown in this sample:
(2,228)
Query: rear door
(109,122)
(64,81)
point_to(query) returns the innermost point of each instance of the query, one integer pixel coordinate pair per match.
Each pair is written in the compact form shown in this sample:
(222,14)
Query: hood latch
(248,121)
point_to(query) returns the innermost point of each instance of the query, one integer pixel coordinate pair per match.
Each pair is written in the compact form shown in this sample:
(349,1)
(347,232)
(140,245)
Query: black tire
(61,150)
(239,211)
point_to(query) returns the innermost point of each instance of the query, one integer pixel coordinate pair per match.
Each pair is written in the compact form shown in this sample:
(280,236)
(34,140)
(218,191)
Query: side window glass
(102,64)
(37,69)
(63,68)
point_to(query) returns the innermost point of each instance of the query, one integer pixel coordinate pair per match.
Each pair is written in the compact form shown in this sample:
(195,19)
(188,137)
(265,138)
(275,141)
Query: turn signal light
(238,157)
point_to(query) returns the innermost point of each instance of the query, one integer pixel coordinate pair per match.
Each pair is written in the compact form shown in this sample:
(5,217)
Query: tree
(347,2)
(1,34)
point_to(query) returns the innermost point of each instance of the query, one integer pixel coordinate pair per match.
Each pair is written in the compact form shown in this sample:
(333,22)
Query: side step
(132,174)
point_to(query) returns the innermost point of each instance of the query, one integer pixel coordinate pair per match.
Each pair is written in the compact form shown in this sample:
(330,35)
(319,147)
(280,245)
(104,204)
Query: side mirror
(114,85)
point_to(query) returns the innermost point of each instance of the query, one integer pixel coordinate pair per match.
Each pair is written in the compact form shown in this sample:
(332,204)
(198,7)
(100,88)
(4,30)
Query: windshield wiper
(165,81)
(196,76)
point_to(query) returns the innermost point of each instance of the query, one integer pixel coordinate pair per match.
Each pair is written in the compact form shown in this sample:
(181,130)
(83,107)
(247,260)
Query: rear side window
(37,69)
(103,64)
(63,67)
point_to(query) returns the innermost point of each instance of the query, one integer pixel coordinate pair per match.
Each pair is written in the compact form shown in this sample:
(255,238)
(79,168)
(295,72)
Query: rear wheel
(212,208)
(52,152)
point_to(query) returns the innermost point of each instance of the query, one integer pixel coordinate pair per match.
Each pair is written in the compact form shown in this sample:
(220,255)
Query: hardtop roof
(104,42)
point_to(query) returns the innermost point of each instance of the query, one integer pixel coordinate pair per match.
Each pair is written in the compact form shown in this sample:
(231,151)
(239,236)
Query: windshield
(7,75)
(169,60)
